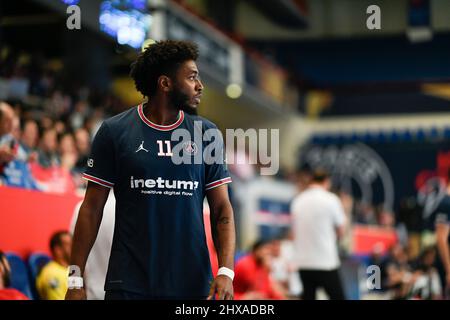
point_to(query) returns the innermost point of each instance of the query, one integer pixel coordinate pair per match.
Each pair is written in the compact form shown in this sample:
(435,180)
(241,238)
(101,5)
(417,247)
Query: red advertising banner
(29,218)
(366,237)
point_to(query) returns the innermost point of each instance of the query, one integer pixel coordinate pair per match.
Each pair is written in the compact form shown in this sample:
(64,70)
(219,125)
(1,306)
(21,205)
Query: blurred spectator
(318,219)
(7,293)
(93,123)
(10,148)
(83,143)
(58,105)
(41,91)
(29,139)
(16,132)
(384,217)
(427,285)
(80,114)
(68,151)
(60,127)
(14,170)
(283,269)
(399,277)
(252,275)
(287,255)
(51,282)
(47,155)
(46,122)
(6,138)
(30,135)
(279,268)
(376,256)
(364,213)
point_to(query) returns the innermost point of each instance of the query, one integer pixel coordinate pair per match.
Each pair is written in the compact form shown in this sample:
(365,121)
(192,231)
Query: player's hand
(76,294)
(223,286)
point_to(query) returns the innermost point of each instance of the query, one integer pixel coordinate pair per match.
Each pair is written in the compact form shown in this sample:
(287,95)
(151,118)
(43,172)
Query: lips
(197,99)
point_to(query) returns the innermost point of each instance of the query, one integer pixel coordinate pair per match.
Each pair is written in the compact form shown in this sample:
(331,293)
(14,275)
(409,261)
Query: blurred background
(372,107)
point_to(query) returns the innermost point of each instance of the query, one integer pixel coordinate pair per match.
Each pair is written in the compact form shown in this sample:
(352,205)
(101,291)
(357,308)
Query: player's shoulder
(122,119)
(206,124)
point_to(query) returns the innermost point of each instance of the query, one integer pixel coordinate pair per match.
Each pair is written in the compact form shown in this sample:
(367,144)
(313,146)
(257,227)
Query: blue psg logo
(190,147)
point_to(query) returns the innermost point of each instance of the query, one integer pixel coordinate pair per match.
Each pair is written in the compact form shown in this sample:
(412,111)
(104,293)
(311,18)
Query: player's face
(187,89)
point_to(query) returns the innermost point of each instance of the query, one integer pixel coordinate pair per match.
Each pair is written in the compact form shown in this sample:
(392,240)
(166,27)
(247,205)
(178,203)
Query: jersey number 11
(161,152)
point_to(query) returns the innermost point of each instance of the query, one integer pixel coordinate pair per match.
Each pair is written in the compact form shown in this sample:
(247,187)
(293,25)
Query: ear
(165,83)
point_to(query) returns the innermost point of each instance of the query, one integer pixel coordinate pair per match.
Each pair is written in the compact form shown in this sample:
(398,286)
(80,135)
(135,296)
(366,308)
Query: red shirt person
(252,275)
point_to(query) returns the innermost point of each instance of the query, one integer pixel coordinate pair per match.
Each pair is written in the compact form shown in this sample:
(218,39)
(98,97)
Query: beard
(181,101)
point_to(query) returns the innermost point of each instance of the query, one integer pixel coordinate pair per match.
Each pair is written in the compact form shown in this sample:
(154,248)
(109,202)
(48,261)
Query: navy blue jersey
(159,247)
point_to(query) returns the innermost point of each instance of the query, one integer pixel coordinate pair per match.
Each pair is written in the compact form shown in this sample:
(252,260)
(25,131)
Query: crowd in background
(46,118)
(48,121)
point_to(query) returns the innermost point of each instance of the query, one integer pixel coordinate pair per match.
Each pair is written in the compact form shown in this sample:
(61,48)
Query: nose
(199,85)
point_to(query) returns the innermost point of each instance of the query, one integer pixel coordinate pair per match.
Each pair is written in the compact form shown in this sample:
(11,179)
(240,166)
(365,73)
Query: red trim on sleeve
(98,180)
(217,183)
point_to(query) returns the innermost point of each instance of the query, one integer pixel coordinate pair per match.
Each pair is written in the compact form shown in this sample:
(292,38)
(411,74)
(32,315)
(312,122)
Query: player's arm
(224,237)
(442,233)
(86,229)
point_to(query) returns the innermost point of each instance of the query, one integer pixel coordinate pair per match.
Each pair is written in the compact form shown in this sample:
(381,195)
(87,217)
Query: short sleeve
(443,212)
(216,171)
(100,164)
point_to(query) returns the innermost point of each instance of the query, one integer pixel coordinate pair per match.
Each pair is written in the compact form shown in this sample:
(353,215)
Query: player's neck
(159,111)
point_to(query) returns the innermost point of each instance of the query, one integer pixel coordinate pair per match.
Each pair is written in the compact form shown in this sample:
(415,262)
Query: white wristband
(226,272)
(75,282)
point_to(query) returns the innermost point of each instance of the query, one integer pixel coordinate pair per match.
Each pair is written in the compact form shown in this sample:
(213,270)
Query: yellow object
(51,283)
(234,91)
(146,43)
(125,89)
(440,90)
(316,102)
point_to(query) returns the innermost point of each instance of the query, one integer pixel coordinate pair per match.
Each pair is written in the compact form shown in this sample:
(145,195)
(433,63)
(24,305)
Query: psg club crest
(190,147)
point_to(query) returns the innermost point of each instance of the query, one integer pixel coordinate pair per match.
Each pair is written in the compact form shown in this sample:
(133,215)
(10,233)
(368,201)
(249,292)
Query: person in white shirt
(318,222)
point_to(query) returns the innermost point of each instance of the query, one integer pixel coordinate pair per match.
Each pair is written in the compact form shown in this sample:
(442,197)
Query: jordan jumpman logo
(141,147)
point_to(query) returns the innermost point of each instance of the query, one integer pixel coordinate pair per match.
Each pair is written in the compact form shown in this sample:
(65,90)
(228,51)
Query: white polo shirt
(316,213)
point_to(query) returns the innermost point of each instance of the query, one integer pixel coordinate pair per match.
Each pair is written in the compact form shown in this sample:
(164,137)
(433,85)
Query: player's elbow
(221,206)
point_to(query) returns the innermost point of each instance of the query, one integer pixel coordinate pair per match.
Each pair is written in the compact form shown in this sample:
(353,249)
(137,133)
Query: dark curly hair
(160,58)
